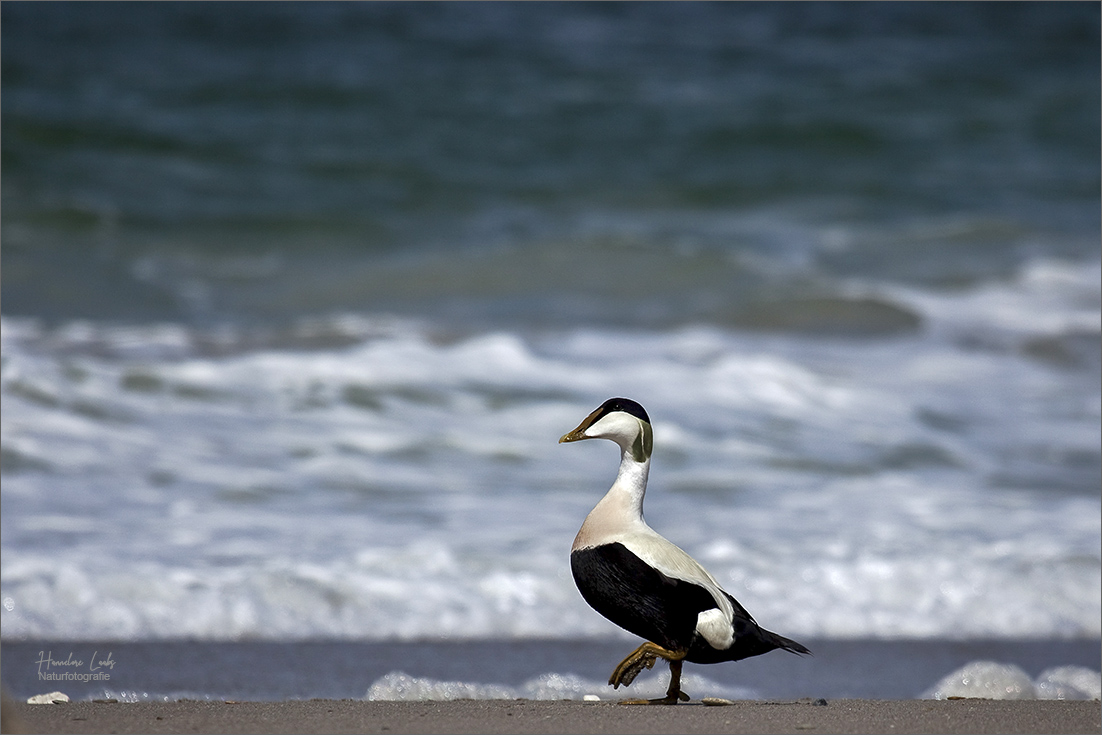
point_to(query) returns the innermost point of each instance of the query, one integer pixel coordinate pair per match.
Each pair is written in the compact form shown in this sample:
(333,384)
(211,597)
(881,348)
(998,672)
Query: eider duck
(637,579)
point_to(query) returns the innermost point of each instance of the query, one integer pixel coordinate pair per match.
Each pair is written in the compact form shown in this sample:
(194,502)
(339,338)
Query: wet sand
(524,716)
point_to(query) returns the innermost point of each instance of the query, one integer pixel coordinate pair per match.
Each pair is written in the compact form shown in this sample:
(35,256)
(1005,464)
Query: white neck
(631,483)
(621,509)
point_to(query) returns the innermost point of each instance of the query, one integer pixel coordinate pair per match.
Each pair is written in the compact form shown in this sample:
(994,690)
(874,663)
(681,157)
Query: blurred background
(297,299)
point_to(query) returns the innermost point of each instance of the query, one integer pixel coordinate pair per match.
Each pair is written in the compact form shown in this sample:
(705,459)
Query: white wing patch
(715,627)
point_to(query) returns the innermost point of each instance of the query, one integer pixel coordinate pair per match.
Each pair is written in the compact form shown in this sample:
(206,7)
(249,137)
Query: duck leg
(644,657)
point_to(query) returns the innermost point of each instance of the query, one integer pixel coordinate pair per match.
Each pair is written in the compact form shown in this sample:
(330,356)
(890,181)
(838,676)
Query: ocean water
(158,670)
(298,298)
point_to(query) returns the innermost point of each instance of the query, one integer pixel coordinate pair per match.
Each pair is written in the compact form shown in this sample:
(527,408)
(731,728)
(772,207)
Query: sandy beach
(524,716)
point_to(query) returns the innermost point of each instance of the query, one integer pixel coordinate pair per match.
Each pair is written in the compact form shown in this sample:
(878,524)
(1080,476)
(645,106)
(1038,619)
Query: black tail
(754,640)
(750,640)
(786,643)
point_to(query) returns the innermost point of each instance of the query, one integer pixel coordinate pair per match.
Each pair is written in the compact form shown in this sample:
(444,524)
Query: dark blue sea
(297,299)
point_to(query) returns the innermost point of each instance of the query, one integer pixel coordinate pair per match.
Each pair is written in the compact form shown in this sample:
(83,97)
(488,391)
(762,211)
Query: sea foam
(181,482)
(400,686)
(994,680)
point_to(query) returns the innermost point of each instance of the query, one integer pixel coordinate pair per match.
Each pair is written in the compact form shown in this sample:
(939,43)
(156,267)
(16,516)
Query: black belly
(637,597)
(644,601)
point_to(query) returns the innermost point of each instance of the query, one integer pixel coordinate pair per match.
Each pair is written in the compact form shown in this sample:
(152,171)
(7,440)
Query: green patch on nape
(643,445)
